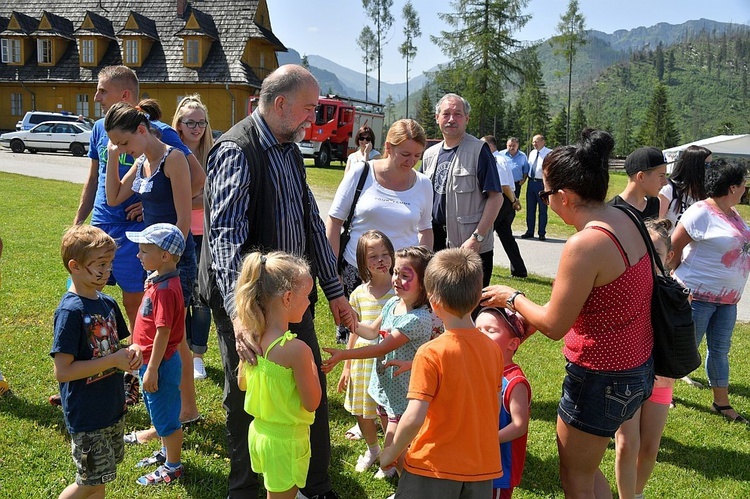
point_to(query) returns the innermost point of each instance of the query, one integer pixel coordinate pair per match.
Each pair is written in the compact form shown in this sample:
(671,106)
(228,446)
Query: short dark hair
(490,139)
(583,167)
(722,175)
(454,278)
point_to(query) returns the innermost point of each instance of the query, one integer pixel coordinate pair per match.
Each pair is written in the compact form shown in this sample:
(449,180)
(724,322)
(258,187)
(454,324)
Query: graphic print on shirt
(102,339)
(441,176)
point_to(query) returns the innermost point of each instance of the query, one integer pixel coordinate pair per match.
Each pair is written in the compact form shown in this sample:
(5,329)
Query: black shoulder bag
(675,351)
(346,231)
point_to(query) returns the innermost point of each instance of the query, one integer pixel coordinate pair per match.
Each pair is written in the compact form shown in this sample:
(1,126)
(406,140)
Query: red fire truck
(337,120)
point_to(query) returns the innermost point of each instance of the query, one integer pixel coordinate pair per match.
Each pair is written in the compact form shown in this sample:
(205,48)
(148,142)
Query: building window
(82,104)
(16,104)
(98,110)
(44,51)
(131,52)
(4,56)
(192,55)
(87,51)
(15,51)
(262,60)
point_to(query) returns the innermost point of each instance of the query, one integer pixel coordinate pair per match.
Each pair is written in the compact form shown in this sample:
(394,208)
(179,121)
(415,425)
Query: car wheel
(17,146)
(77,149)
(323,159)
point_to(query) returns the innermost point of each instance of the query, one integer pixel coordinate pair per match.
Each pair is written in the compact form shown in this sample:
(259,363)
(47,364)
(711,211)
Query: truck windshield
(324,114)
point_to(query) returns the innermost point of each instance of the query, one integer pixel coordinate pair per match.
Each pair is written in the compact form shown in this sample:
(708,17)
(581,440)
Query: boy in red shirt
(159,329)
(454,393)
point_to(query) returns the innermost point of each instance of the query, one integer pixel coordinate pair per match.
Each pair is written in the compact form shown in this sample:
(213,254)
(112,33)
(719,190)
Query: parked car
(50,136)
(33,118)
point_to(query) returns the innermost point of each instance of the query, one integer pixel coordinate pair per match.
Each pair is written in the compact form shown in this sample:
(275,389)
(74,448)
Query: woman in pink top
(600,305)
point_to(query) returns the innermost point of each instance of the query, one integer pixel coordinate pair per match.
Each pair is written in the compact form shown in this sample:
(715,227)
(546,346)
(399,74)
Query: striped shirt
(227,187)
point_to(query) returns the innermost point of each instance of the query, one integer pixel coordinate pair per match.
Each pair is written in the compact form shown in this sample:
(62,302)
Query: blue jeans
(715,321)
(198,314)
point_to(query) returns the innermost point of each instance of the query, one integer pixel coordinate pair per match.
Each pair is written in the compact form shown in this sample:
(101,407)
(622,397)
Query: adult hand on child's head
(402,365)
(496,295)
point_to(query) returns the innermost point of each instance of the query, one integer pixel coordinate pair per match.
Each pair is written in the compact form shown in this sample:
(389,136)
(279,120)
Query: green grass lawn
(701,455)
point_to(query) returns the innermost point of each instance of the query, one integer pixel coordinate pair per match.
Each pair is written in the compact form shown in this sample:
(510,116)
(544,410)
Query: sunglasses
(366,139)
(544,195)
(192,124)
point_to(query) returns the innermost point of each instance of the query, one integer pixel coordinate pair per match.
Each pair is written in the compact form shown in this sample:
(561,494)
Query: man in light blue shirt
(519,163)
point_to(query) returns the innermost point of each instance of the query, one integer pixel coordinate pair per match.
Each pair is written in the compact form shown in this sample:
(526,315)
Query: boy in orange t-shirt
(456,383)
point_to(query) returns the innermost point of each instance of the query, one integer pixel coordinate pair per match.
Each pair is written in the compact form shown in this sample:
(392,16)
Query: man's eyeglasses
(544,195)
(366,139)
(192,124)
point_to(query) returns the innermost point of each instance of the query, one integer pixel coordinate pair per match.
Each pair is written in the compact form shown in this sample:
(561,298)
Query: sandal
(719,409)
(157,457)
(353,433)
(191,421)
(131,438)
(162,474)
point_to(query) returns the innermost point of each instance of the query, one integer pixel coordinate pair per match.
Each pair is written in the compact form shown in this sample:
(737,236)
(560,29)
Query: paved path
(541,258)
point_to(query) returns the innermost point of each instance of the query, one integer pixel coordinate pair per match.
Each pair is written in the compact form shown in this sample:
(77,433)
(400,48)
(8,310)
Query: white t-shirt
(675,210)
(400,215)
(504,170)
(715,265)
(357,157)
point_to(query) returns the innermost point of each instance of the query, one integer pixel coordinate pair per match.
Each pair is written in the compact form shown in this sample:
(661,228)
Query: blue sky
(330,28)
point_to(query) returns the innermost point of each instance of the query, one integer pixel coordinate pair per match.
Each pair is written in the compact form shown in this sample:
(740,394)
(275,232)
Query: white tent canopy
(723,145)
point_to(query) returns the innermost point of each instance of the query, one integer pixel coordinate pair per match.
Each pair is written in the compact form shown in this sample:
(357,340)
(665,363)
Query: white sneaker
(199,370)
(385,474)
(366,460)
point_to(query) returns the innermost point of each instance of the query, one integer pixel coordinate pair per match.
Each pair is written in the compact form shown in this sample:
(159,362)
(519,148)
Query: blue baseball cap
(166,236)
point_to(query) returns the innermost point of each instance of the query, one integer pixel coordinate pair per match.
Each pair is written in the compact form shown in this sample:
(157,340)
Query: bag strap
(360,185)
(646,239)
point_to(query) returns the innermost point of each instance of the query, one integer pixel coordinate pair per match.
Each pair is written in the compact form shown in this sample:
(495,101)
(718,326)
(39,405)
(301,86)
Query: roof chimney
(181,7)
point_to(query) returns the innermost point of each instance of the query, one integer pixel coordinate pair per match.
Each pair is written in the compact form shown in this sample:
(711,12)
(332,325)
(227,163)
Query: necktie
(533,167)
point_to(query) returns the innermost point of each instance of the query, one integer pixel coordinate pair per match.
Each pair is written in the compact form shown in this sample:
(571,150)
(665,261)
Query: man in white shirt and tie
(534,187)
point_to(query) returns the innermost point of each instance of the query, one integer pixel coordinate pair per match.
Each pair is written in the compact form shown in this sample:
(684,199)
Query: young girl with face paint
(404,325)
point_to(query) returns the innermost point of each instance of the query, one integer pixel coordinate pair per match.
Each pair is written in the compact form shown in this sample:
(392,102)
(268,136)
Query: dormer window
(11,50)
(131,51)
(192,52)
(44,51)
(87,51)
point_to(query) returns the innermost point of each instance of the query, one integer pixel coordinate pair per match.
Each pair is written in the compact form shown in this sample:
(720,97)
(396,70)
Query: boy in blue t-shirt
(89,360)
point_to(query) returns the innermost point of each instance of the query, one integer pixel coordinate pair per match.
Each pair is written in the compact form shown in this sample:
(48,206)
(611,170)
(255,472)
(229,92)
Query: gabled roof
(58,26)
(233,20)
(138,24)
(205,25)
(3,23)
(99,26)
(26,24)
(270,37)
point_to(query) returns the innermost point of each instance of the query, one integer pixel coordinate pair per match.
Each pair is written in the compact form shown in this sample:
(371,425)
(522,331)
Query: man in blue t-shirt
(120,84)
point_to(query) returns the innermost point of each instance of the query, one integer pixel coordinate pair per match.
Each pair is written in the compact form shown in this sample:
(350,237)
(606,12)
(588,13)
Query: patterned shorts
(97,453)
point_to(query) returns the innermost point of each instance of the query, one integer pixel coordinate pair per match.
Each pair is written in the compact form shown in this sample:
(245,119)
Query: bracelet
(510,302)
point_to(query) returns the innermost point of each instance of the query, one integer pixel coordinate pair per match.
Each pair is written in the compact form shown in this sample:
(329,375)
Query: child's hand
(122,359)
(402,365)
(151,380)
(136,356)
(336,357)
(388,458)
(344,379)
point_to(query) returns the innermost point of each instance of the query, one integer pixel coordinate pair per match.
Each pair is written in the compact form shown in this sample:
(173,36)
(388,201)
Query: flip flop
(191,421)
(353,433)
(719,409)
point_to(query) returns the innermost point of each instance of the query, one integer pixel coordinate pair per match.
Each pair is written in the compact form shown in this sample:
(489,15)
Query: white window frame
(87,51)
(4,50)
(82,104)
(192,52)
(131,51)
(44,51)
(15,51)
(16,104)
(98,110)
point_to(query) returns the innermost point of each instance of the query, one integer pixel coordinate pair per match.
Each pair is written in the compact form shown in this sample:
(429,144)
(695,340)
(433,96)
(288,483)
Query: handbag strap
(646,239)
(360,185)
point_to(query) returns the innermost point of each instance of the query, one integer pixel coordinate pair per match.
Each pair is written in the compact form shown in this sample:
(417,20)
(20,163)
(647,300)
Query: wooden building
(53,50)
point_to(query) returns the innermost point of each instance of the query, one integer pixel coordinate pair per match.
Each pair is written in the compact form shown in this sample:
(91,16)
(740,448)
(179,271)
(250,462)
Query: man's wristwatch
(479,237)
(510,302)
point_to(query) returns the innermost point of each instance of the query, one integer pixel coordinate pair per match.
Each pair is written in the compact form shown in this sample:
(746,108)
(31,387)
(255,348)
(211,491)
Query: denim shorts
(598,402)
(164,404)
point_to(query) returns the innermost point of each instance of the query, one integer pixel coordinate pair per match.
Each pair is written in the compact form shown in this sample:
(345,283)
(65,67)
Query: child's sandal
(162,474)
(157,457)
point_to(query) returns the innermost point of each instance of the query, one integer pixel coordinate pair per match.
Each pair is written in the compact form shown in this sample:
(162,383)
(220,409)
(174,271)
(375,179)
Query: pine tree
(658,129)
(659,62)
(570,34)
(379,11)
(577,123)
(426,114)
(480,43)
(624,143)
(366,43)
(407,49)
(558,129)
(533,103)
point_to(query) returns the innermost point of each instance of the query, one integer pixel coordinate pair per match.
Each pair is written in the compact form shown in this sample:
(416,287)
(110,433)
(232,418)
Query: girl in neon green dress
(283,390)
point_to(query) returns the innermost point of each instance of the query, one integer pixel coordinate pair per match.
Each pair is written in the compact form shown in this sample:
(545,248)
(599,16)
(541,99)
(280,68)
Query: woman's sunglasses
(544,195)
(366,139)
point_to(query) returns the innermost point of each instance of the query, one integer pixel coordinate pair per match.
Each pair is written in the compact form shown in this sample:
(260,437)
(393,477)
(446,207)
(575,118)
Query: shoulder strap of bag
(646,239)
(360,185)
